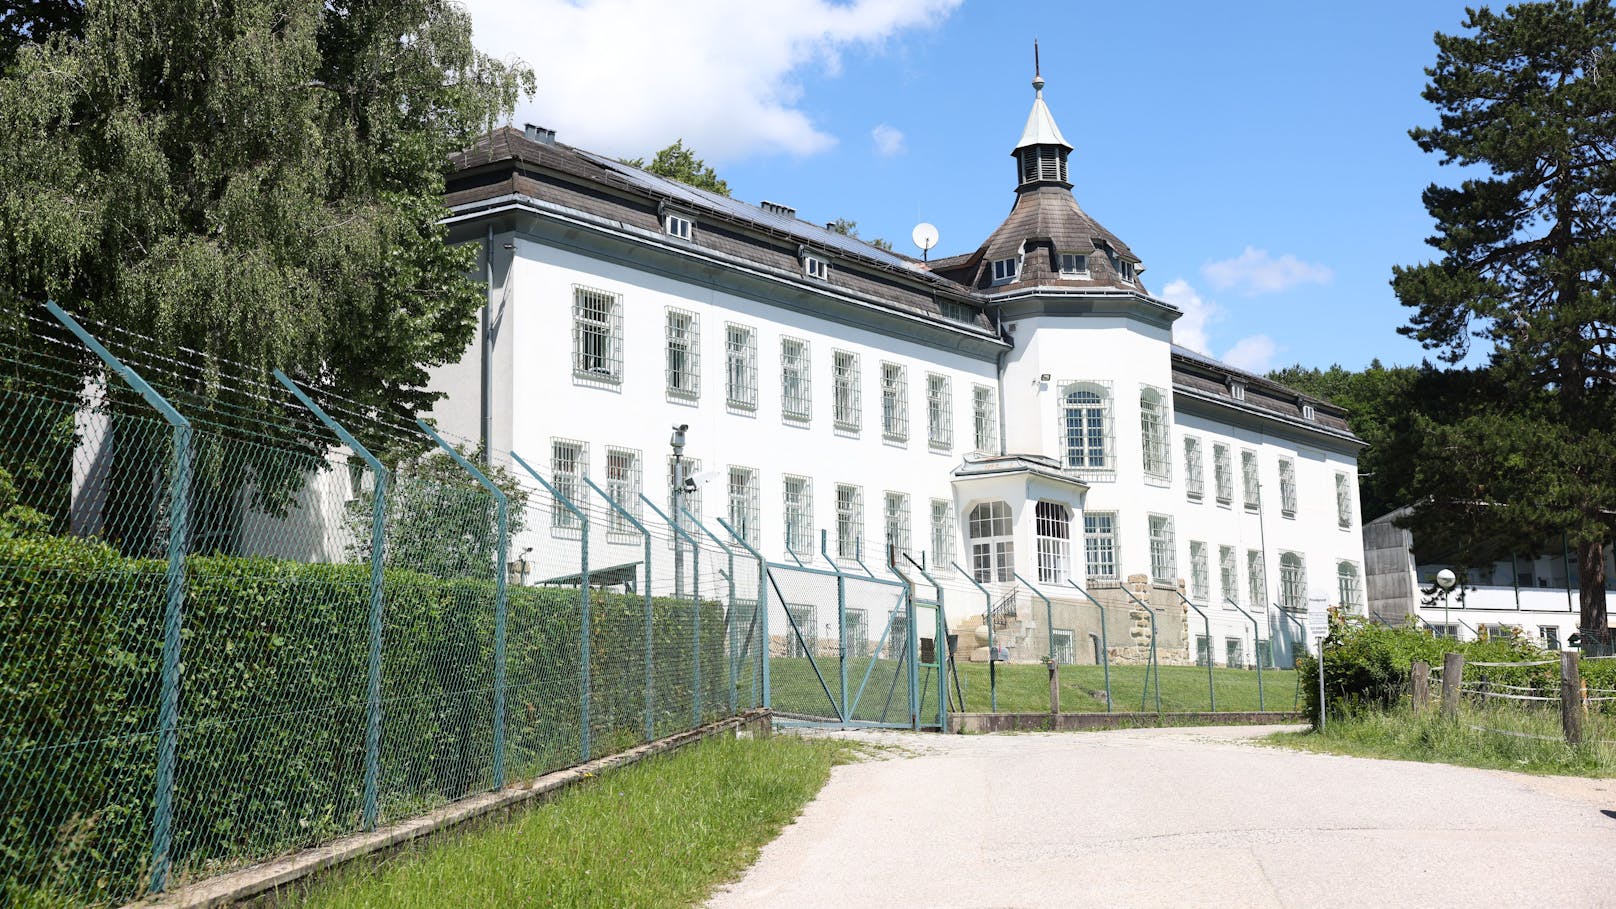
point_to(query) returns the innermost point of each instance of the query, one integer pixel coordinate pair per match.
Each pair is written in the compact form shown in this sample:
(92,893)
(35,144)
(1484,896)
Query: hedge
(273,705)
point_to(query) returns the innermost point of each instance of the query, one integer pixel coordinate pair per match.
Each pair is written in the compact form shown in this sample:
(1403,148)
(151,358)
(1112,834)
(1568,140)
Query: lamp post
(1445,580)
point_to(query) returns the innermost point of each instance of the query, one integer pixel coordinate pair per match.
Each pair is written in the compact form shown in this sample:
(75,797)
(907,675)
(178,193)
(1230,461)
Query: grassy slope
(664,832)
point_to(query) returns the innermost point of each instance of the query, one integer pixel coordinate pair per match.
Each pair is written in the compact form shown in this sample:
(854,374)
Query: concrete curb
(1047,722)
(261,878)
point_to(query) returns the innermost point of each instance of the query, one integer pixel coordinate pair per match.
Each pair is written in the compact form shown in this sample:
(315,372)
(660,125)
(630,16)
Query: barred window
(740,354)
(1065,646)
(1343,501)
(569,464)
(1054,527)
(1348,585)
(1085,431)
(985,410)
(1287,488)
(1292,580)
(1223,473)
(799,515)
(1194,477)
(849,409)
(897,521)
(1163,550)
(849,520)
(1228,576)
(1100,544)
(895,401)
(623,485)
(1200,572)
(1256,579)
(743,504)
(993,548)
(684,353)
(1153,419)
(597,334)
(942,533)
(1249,479)
(796,390)
(939,411)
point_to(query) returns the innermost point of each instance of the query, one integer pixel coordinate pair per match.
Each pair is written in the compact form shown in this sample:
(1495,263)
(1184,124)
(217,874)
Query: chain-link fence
(240,618)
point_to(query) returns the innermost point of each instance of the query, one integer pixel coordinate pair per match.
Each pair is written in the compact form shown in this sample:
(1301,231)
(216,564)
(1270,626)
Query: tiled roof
(1045,222)
(1210,377)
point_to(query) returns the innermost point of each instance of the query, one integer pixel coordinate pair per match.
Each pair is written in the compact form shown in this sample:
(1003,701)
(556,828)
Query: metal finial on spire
(1037,70)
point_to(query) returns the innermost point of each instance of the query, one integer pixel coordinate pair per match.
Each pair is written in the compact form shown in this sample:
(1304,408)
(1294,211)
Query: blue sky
(1256,156)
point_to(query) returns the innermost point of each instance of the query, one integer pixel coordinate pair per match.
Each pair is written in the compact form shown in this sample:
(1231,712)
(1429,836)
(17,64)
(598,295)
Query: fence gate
(842,649)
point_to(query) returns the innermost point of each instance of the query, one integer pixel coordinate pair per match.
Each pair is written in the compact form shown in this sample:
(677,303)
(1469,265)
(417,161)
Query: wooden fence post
(1571,704)
(1452,679)
(1054,686)
(1420,681)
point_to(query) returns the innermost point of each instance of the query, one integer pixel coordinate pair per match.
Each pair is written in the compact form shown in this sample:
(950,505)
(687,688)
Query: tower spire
(1037,71)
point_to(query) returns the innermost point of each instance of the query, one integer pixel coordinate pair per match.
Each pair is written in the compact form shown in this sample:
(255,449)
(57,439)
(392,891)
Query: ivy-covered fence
(254,623)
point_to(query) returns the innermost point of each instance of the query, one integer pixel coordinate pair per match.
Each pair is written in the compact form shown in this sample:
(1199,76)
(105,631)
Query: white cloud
(1256,272)
(1253,354)
(888,140)
(1190,329)
(627,77)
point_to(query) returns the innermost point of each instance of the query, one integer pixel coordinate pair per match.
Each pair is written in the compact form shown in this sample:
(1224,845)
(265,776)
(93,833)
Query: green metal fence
(240,618)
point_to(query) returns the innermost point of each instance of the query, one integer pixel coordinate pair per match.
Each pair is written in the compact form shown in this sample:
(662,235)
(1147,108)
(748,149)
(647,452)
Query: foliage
(679,163)
(33,21)
(849,228)
(1527,264)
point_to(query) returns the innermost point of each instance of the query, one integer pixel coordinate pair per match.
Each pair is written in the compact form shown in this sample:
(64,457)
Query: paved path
(1178,817)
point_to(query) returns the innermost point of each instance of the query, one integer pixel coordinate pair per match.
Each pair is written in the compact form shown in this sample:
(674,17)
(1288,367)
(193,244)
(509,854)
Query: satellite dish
(925,237)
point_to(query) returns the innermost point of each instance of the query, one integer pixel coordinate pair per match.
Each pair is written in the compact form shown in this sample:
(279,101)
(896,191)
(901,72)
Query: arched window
(1292,581)
(993,548)
(1153,433)
(1054,543)
(1351,591)
(1085,427)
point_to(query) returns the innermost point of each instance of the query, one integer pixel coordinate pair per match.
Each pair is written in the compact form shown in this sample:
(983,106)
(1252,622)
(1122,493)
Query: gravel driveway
(1180,817)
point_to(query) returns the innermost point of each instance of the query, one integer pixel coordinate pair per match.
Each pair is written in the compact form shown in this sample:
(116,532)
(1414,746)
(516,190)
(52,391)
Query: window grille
(1004,270)
(1343,501)
(569,464)
(1153,420)
(1308,413)
(1194,477)
(1163,550)
(802,615)
(985,411)
(1065,646)
(1348,585)
(895,401)
(1086,429)
(684,353)
(1256,579)
(942,533)
(1100,544)
(939,411)
(1234,653)
(993,550)
(1249,479)
(799,514)
(796,390)
(1237,390)
(848,407)
(597,334)
(849,520)
(1200,572)
(1074,266)
(1054,526)
(743,504)
(1223,473)
(1287,488)
(1228,577)
(1292,580)
(676,226)
(897,521)
(740,354)
(858,631)
(623,485)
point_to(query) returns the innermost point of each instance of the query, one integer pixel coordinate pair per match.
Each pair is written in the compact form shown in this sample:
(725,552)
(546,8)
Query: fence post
(762,608)
(1571,704)
(1452,678)
(729,619)
(650,690)
(695,605)
(378,533)
(1105,643)
(1420,685)
(583,599)
(1206,621)
(841,612)
(993,653)
(1256,640)
(179,513)
(945,656)
(1155,662)
(1049,620)
(502,521)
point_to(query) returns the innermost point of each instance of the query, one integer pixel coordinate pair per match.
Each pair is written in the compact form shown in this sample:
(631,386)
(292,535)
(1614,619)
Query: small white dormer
(677,223)
(1006,270)
(1237,389)
(1074,265)
(814,265)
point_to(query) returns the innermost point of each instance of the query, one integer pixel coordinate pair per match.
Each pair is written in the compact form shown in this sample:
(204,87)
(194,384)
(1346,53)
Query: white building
(1020,409)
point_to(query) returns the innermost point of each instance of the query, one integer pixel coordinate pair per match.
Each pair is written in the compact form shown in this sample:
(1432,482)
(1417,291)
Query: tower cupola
(1041,153)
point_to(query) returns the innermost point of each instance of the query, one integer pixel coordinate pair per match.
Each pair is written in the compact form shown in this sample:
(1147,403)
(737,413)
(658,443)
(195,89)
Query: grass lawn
(1508,740)
(663,832)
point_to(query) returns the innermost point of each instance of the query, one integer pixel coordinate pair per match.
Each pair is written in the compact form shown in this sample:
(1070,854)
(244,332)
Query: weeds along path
(1203,817)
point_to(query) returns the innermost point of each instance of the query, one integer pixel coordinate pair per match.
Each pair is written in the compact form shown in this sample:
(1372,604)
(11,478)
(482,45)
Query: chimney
(539,134)
(775,208)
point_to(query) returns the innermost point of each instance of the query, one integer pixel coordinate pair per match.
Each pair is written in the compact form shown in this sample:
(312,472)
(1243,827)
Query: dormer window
(1125,270)
(1005,270)
(815,267)
(1237,390)
(1073,265)
(676,225)
(1308,413)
